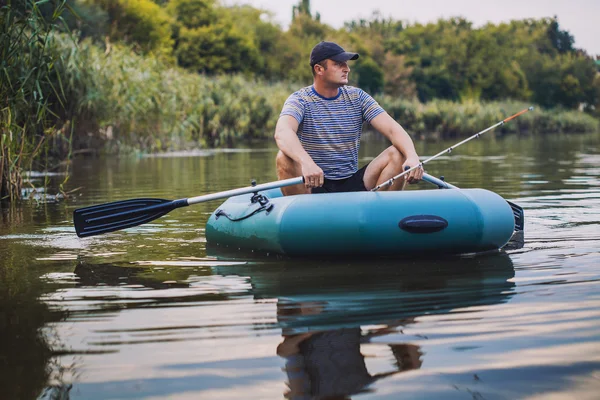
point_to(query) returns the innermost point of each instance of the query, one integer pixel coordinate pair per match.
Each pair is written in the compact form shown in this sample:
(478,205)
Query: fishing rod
(448,150)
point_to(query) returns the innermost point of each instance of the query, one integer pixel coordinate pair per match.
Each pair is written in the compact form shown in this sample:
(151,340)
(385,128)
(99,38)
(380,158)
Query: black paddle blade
(110,217)
(519,216)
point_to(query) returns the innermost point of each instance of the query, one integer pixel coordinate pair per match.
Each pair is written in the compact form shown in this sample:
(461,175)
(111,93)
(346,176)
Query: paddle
(110,217)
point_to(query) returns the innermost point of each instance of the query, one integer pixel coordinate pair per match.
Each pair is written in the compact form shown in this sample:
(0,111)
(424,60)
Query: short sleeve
(370,107)
(293,106)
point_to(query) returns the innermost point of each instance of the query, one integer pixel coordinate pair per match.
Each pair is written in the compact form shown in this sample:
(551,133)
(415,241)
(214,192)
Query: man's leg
(385,166)
(286,169)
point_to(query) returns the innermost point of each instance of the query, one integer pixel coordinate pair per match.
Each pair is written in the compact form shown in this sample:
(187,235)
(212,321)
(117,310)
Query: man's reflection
(329,364)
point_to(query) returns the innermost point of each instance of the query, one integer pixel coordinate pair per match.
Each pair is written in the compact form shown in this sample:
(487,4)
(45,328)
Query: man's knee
(284,165)
(280,159)
(395,158)
(288,168)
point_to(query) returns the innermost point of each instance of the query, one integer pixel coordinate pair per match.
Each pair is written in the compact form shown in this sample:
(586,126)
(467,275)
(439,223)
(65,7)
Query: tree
(562,41)
(303,8)
(265,35)
(139,22)
(370,75)
(208,40)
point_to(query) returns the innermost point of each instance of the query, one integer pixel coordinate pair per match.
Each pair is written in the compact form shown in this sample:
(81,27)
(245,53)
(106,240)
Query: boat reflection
(328,311)
(330,314)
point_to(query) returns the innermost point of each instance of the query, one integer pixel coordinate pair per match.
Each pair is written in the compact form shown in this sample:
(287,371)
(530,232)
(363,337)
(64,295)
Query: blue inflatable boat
(454,221)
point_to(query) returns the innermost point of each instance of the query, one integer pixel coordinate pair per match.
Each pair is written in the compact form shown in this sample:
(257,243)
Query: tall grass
(130,102)
(447,119)
(31,92)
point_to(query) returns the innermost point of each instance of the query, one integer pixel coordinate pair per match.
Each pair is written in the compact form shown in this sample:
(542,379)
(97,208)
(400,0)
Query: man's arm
(287,140)
(400,139)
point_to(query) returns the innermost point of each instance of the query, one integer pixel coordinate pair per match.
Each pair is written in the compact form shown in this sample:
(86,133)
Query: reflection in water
(321,308)
(340,324)
(373,291)
(113,275)
(25,349)
(329,364)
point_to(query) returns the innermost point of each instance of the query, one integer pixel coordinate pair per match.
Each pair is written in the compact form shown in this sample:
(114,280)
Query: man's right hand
(313,174)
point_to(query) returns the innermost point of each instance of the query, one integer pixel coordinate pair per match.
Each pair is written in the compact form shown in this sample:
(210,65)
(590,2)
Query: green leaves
(30,102)
(139,22)
(210,40)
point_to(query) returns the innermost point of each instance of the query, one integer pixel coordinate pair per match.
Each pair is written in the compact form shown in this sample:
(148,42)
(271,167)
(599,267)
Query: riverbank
(135,103)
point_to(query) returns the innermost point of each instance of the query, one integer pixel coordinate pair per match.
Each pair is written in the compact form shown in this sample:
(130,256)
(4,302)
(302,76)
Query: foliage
(31,91)
(529,60)
(142,102)
(370,75)
(139,22)
(303,8)
(266,39)
(208,41)
(443,118)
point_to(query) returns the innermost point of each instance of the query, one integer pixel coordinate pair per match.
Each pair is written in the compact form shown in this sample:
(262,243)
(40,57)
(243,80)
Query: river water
(148,313)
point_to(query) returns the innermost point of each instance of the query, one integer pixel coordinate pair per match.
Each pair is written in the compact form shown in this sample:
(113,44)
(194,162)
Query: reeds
(31,92)
(139,103)
(442,118)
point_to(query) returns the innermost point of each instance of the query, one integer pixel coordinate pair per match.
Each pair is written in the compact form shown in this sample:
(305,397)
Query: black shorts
(353,183)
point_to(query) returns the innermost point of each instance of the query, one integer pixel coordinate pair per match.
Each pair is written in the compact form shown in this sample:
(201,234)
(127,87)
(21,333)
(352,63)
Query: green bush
(442,118)
(140,23)
(32,97)
(141,103)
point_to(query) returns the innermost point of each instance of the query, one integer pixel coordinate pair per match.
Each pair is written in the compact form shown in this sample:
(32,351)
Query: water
(146,313)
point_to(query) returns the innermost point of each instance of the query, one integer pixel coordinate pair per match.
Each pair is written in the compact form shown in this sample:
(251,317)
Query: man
(318,133)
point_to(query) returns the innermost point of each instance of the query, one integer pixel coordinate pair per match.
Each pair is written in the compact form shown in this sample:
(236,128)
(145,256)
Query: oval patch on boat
(423,224)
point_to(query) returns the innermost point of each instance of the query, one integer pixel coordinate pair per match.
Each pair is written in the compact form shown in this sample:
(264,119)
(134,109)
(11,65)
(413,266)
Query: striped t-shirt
(330,128)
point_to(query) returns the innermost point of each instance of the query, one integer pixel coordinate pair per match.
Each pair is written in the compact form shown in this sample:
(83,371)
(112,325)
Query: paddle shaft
(245,190)
(449,149)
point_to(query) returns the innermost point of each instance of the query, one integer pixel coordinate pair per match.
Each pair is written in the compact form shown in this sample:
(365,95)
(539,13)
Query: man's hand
(415,175)
(313,174)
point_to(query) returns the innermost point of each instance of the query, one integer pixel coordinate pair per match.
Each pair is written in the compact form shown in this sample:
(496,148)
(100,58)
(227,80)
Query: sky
(580,17)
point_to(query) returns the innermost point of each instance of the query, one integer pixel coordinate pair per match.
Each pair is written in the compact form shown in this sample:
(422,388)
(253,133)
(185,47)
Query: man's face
(337,72)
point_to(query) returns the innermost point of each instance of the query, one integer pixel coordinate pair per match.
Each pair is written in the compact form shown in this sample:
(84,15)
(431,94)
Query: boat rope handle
(221,213)
(448,150)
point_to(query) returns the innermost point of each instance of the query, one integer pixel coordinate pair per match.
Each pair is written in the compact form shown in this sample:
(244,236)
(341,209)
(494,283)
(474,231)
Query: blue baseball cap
(330,50)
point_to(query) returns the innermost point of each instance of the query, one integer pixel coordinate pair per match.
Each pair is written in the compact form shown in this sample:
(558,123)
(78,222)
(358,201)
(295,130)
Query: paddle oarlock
(449,150)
